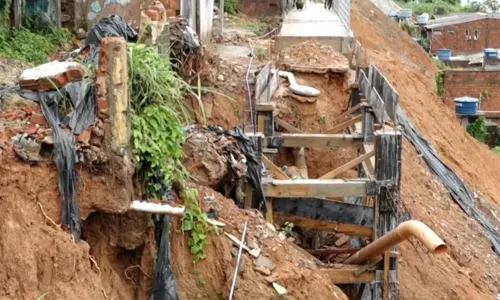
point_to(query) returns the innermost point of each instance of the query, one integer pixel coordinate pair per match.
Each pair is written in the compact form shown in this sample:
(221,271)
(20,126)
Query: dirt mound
(471,269)
(313,57)
(211,278)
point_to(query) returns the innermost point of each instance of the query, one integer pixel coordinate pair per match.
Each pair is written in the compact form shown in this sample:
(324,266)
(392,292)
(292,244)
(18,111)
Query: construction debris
(313,57)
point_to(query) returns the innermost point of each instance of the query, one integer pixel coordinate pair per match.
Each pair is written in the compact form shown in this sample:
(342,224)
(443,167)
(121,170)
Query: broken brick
(38,118)
(153,14)
(31,129)
(28,110)
(13,115)
(342,240)
(84,136)
(102,104)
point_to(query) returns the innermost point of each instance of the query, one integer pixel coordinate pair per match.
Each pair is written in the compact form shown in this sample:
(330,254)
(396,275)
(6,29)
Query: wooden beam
(269,211)
(287,126)
(332,174)
(347,275)
(275,170)
(315,188)
(308,140)
(325,210)
(248,196)
(349,229)
(348,112)
(330,251)
(338,128)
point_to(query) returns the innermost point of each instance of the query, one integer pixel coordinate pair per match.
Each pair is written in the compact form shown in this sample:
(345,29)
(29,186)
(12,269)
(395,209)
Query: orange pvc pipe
(403,232)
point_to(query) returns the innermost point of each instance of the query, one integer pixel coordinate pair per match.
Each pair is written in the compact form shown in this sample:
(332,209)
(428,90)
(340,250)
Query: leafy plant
(287,228)
(440,77)
(230,6)
(194,222)
(154,82)
(28,46)
(478,129)
(259,52)
(496,150)
(157,139)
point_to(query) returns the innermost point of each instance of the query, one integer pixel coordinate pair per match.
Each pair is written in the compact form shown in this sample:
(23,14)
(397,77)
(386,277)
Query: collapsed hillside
(471,269)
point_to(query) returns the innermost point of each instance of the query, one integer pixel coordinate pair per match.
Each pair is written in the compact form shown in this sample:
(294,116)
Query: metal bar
(238,261)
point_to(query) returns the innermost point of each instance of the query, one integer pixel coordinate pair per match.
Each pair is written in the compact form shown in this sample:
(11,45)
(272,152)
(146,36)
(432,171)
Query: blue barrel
(490,53)
(444,54)
(466,105)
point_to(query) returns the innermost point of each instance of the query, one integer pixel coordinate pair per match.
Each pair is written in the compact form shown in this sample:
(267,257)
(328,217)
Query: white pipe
(156,208)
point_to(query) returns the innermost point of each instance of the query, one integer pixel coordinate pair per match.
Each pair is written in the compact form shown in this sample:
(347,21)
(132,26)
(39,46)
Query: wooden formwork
(373,132)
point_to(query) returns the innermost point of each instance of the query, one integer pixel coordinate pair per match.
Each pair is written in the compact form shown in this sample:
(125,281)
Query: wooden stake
(275,170)
(332,174)
(338,128)
(287,126)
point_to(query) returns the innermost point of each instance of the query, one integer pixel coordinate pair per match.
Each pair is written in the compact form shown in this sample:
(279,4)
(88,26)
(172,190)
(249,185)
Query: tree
(473,6)
(491,5)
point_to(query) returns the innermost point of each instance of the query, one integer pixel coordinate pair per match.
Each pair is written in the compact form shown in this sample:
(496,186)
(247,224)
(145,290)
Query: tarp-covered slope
(471,270)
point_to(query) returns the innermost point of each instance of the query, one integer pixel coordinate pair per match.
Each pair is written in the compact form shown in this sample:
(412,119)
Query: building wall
(459,83)
(258,8)
(453,36)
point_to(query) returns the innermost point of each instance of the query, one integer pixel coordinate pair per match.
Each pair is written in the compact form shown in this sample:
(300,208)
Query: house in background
(464,33)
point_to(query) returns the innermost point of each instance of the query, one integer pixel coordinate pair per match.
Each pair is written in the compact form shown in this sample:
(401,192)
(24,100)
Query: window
(451,31)
(476,35)
(467,36)
(436,33)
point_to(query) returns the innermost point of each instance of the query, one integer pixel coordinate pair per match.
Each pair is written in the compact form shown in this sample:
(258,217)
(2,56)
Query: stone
(14,101)
(220,77)
(263,270)
(271,279)
(234,251)
(265,262)
(279,289)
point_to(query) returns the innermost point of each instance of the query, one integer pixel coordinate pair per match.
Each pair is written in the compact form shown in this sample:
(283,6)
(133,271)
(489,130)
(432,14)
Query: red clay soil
(211,278)
(470,270)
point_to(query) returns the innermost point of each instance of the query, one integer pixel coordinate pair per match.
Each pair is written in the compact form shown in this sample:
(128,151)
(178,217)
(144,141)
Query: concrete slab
(314,22)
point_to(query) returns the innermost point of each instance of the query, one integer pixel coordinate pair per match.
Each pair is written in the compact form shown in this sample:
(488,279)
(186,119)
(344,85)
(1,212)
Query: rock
(271,279)
(342,240)
(263,270)
(265,262)
(81,34)
(251,243)
(14,101)
(220,77)
(271,227)
(234,251)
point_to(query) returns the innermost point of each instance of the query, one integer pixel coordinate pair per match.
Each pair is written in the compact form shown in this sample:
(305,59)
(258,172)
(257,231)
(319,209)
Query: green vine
(440,77)
(194,222)
(478,129)
(157,140)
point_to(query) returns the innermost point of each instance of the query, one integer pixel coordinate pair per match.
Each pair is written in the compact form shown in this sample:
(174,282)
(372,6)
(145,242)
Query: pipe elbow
(424,234)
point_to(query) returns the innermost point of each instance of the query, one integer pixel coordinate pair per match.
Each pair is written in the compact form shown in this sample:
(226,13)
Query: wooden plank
(385,277)
(275,170)
(347,275)
(261,122)
(347,166)
(286,126)
(262,81)
(309,140)
(269,210)
(348,112)
(338,128)
(248,196)
(315,188)
(349,229)
(325,210)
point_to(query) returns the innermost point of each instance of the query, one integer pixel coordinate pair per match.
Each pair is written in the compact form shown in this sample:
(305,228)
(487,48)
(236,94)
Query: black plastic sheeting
(254,167)
(111,26)
(81,96)
(163,284)
(458,190)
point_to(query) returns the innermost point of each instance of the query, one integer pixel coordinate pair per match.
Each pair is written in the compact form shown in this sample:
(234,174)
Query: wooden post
(387,169)
(221,16)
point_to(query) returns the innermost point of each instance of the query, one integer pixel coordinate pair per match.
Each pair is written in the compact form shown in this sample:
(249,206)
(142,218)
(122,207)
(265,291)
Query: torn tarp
(163,284)
(111,26)
(458,190)
(81,96)
(254,166)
